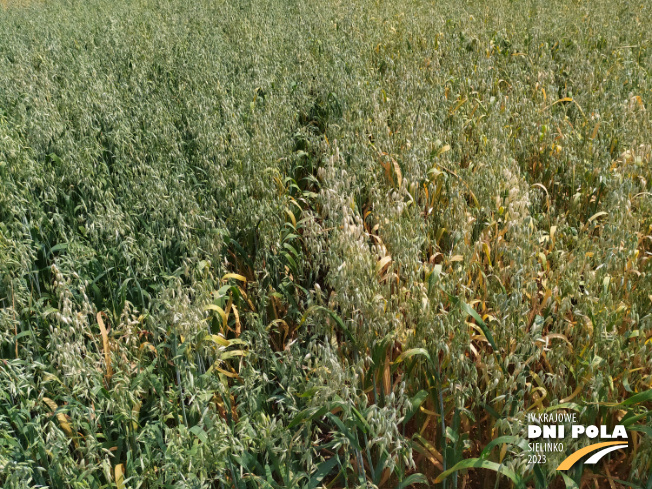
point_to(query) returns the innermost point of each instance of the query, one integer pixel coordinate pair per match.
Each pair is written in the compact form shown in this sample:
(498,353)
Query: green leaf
(59,247)
(413,479)
(412,352)
(471,312)
(199,432)
(333,315)
(361,421)
(491,411)
(642,428)
(344,430)
(311,392)
(566,405)
(627,484)
(479,463)
(640,398)
(513,440)
(308,414)
(415,403)
(322,471)
(540,477)
(433,278)
(570,483)
(631,418)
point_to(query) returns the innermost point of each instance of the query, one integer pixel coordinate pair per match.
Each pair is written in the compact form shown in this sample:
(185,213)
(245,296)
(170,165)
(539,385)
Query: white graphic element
(594,459)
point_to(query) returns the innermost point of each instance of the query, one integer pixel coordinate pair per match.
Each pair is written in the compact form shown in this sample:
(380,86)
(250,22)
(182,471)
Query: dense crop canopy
(297,244)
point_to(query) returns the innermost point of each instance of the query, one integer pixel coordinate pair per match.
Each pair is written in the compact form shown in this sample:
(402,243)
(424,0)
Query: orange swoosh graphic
(574,457)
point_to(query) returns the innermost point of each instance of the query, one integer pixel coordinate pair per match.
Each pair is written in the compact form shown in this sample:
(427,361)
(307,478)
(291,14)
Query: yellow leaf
(457,106)
(148,345)
(397,170)
(428,411)
(383,264)
(238,327)
(63,422)
(487,252)
(477,329)
(50,403)
(444,149)
(105,346)
(567,99)
(559,336)
(597,215)
(291,216)
(249,303)
(119,476)
(457,258)
(135,412)
(542,187)
(577,390)
(220,340)
(222,371)
(542,258)
(219,310)
(232,353)
(235,276)
(387,377)
(637,100)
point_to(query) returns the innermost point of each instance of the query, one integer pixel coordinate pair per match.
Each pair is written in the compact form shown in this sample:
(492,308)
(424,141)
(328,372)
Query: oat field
(338,244)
